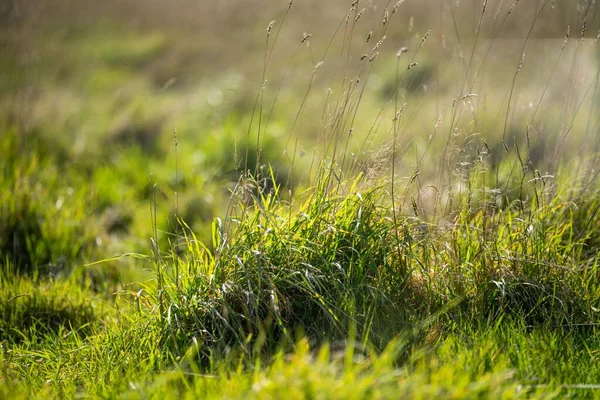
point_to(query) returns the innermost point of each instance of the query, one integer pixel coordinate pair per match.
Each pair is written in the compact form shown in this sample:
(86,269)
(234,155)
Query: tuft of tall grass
(323,269)
(339,267)
(349,258)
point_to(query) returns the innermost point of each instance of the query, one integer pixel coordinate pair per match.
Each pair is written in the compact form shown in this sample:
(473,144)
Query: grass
(410,223)
(32,311)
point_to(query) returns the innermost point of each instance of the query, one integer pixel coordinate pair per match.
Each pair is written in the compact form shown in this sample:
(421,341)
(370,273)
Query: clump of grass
(521,262)
(322,269)
(338,265)
(338,261)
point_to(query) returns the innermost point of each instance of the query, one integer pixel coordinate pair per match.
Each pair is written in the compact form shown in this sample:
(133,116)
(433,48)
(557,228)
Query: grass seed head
(425,38)
(270,27)
(360,13)
(378,45)
(398,4)
(438,123)
(399,112)
(521,63)
(513,7)
(567,34)
(348,13)
(401,51)
(498,9)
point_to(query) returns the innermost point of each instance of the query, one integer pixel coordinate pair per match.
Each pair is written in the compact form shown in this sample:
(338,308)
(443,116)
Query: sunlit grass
(325,217)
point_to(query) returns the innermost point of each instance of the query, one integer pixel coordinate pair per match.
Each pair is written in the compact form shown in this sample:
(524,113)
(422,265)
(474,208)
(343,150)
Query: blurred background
(91,93)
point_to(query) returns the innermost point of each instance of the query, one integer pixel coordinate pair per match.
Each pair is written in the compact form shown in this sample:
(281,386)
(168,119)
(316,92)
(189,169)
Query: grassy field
(303,199)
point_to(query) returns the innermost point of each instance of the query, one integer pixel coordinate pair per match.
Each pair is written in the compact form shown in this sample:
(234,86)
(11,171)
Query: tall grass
(345,257)
(445,248)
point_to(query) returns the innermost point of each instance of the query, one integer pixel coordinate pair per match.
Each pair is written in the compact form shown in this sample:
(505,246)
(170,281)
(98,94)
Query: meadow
(299,199)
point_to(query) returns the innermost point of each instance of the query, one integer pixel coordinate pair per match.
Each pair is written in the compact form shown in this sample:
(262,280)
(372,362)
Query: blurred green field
(304,199)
